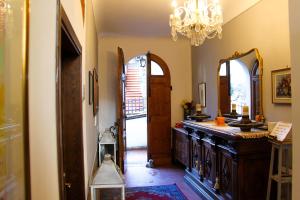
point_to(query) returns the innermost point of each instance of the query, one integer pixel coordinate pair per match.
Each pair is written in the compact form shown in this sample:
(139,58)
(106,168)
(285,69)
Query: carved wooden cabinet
(226,166)
(180,146)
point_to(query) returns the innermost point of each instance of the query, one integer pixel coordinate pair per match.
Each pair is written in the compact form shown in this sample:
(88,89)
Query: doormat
(161,192)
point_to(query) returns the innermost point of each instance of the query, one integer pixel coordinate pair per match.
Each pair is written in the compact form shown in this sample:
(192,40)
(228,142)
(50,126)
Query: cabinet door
(209,163)
(228,174)
(181,147)
(196,156)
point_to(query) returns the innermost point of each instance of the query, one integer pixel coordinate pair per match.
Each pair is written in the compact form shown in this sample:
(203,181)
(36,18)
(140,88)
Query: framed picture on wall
(95,92)
(281,86)
(202,94)
(91,87)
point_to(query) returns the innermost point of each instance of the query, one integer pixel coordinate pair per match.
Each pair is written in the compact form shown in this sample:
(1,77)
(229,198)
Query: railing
(135,105)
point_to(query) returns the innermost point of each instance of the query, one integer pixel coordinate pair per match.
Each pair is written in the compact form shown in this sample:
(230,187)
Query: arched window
(156,69)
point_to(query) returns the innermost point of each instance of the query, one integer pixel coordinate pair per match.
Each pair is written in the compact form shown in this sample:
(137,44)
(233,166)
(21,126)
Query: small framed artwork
(91,87)
(281,86)
(202,94)
(95,92)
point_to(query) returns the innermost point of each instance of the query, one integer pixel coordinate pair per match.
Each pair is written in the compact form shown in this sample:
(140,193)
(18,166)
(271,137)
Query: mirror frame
(238,55)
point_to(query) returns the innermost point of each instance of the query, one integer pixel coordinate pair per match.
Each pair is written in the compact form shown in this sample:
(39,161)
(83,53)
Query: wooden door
(121,109)
(69,109)
(224,91)
(159,110)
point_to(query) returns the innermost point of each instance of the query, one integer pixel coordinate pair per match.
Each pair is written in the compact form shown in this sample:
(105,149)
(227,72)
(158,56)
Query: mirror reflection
(239,82)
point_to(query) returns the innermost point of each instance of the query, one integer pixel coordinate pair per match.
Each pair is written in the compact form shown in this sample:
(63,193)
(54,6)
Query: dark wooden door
(69,109)
(121,109)
(159,110)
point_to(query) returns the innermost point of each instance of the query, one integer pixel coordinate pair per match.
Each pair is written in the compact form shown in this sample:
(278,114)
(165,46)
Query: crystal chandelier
(197,20)
(5,12)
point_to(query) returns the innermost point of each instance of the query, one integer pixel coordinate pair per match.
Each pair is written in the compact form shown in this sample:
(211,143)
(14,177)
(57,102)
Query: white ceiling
(149,18)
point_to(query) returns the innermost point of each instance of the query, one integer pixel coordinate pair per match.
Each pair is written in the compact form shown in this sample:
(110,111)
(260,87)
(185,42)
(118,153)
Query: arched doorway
(144,103)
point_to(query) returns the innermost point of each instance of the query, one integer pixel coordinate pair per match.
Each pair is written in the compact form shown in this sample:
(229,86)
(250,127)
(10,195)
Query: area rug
(161,192)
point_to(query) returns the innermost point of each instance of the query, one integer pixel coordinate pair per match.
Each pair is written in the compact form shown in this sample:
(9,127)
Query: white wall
(42,107)
(264,26)
(294,7)
(42,93)
(176,54)
(90,62)
(74,13)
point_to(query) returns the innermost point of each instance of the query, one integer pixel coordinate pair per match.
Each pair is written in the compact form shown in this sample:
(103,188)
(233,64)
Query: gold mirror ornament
(240,84)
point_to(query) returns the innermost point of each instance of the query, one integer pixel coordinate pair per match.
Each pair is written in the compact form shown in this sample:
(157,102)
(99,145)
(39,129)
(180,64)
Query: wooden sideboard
(221,163)
(180,147)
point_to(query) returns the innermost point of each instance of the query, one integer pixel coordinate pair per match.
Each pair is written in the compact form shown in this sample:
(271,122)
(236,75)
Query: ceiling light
(197,20)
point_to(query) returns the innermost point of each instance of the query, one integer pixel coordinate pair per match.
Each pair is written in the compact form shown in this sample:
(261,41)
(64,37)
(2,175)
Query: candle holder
(199,112)
(245,124)
(245,119)
(233,115)
(199,116)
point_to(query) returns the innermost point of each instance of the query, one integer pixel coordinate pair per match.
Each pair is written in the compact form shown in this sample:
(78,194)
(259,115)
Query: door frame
(62,23)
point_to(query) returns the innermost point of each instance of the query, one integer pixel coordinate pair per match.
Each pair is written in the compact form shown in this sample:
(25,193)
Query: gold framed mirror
(240,83)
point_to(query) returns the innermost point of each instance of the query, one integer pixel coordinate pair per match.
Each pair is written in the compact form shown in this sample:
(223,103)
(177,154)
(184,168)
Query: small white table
(107,176)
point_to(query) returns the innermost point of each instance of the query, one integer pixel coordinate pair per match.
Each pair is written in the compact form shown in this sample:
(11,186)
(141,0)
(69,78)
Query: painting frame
(95,92)
(202,94)
(281,86)
(91,87)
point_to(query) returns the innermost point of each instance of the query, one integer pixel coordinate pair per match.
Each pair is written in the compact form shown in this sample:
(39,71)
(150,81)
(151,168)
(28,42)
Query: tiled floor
(137,157)
(138,175)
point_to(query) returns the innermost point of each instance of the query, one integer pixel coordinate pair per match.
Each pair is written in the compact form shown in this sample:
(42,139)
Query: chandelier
(5,12)
(197,20)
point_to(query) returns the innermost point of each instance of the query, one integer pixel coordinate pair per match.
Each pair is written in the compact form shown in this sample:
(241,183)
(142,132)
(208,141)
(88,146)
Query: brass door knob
(68,185)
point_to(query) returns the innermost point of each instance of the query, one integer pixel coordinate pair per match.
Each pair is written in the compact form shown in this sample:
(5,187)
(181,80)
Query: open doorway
(148,113)
(136,111)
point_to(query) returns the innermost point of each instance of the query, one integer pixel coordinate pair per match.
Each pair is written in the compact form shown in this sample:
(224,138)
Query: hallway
(138,175)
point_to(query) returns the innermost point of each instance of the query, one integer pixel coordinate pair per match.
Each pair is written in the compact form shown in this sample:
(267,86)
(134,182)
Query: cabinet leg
(123,193)
(279,173)
(270,173)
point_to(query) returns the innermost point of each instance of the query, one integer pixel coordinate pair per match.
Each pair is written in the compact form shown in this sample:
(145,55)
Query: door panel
(159,113)
(121,109)
(69,113)
(72,129)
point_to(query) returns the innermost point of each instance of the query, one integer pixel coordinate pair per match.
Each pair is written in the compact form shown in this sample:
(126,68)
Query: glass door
(13,124)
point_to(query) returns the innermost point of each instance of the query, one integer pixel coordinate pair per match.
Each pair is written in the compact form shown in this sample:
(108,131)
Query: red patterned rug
(161,192)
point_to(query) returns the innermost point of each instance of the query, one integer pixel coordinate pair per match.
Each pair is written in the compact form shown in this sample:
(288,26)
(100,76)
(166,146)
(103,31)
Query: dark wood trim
(58,104)
(67,27)
(26,141)
(63,23)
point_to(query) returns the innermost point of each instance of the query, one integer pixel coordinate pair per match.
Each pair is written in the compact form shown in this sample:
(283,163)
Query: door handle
(68,185)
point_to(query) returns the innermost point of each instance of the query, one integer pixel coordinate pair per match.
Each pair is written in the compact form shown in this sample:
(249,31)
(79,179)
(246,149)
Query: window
(223,70)
(239,85)
(156,69)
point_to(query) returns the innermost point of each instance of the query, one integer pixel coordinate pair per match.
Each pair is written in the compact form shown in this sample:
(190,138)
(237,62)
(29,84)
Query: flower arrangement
(187,108)
(186,105)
